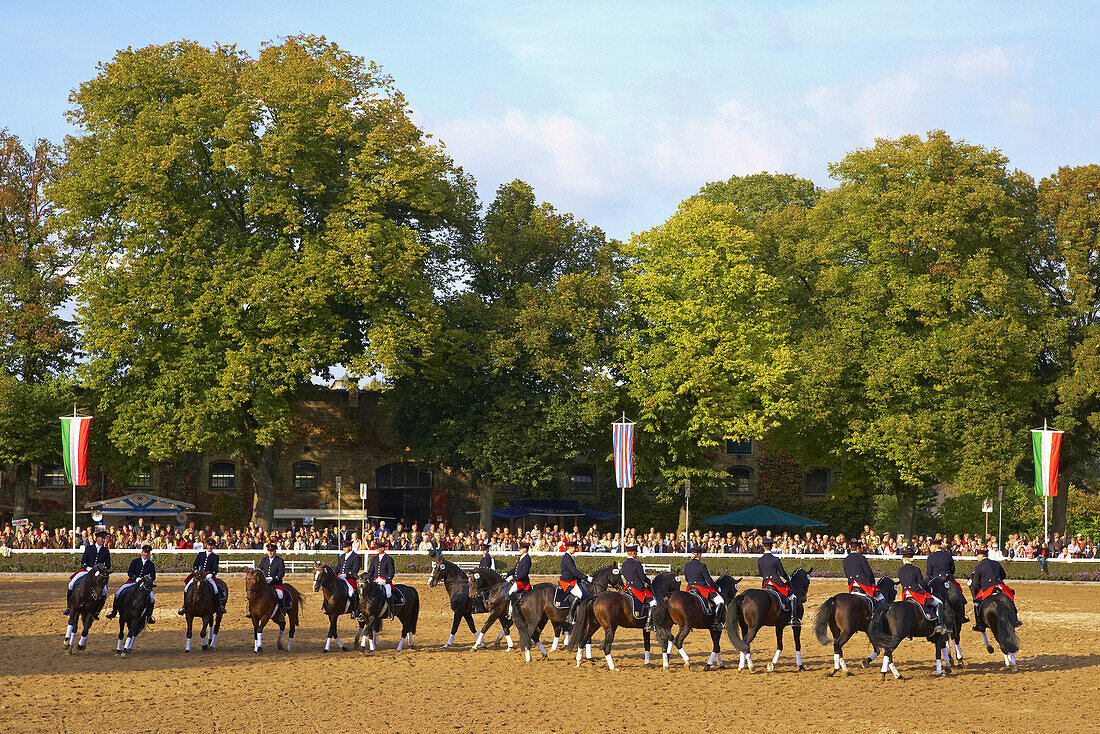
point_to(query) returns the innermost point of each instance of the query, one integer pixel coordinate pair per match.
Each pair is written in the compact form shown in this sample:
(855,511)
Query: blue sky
(616,111)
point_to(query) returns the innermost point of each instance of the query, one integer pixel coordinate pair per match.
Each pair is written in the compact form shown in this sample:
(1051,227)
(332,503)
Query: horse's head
(726,585)
(322,573)
(609,576)
(146,582)
(888,588)
(252,579)
(439,571)
(99,575)
(800,583)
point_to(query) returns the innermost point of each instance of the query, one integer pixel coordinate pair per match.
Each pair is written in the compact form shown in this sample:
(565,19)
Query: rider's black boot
(977,617)
(68,602)
(114,611)
(390,611)
(941,620)
(149,613)
(99,607)
(570,619)
(796,612)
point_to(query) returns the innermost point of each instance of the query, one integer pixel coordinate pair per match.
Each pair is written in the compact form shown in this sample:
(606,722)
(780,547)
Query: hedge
(550,564)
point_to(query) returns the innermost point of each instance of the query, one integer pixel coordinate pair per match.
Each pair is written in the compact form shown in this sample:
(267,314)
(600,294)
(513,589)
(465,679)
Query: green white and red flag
(74,448)
(1045,445)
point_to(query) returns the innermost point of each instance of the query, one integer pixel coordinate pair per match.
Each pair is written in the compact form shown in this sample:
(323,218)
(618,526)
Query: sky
(617,111)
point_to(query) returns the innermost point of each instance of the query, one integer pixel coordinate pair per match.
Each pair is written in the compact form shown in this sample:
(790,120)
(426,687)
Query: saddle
(282,595)
(398,597)
(708,607)
(562,598)
(929,614)
(784,601)
(639,607)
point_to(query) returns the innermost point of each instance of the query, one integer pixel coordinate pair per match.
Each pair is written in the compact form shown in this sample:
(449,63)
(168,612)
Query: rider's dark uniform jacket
(381,566)
(856,568)
(487,562)
(988,574)
(521,572)
(140,567)
(349,565)
(274,568)
(205,562)
(634,574)
(94,555)
(940,564)
(696,574)
(771,569)
(910,577)
(569,570)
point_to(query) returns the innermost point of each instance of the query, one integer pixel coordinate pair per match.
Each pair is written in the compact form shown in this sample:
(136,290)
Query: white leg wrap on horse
(69,632)
(798,658)
(83,640)
(836,661)
(985,638)
(610,662)
(259,639)
(554,644)
(874,654)
(500,636)
(187,648)
(509,638)
(843,665)
(588,651)
(119,644)
(885,663)
(363,642)
(328,644)
(400,644)
(939,666)
(664,659)
(748,658)
(479,640)
(213,639)
(130,644)
(564,639)
(527,654)
(542,649)
(775,658)
(647,657)
(372,643)
(375,638)
(719,659)
(710,660)
(958,651)
(1007,663)
(894,670)
(684,655)
(450,640)
(578,657)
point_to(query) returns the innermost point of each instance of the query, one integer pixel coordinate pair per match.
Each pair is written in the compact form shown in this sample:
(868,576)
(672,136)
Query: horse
(537,607)
(494,589)
(845,614)
(901,619)
(88,597)
(610,610)
(264,604)
(336,600)
(372,611)
(132,608)
(950,595)
(757,608)
(684,609)
(457,583)
(998,613)
(201,601)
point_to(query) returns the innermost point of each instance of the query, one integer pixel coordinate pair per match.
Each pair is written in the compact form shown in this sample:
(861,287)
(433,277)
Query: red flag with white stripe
(622,439)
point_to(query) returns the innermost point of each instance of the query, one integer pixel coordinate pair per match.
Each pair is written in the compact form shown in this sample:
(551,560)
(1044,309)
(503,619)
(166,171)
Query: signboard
(987,504)
(339,483)
(181,518)
(21,522)
(307,520)
(97,516)
(363,490)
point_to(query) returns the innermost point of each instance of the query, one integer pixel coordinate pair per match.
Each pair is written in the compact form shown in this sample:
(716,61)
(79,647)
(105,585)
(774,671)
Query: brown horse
(611,610)
(89,593)
(537,607)
(264,605)
(843,615)
(906,619)
(755,609)
(684,609)
(201,601)
(372,610)
(335,601)
(997,612)
(457,583)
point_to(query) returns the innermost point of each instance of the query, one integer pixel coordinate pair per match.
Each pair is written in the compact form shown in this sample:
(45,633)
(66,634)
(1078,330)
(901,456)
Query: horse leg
(203,632)
(121,632)
(190,619)
(888,664)
(797,632)
(85,626)
(778,648)
(985,639)
(608,638)
(331,633)
(748,635)
(839,641)
(454,628)
(645,644)
(480,639)
(258,635)
(941,656)
(715,659)
(214,629)
(685,629)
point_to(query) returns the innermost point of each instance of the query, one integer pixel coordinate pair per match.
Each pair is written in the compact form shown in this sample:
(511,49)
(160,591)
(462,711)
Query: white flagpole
(74,478)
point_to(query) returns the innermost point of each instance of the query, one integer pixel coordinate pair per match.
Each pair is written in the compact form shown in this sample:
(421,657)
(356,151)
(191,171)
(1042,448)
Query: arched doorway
(404,492)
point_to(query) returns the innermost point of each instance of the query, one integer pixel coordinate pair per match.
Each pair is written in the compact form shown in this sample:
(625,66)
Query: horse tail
(520,621)
(733,630)
(1006,628)
(583,624)
(662,621)
(821,622)
(876,631)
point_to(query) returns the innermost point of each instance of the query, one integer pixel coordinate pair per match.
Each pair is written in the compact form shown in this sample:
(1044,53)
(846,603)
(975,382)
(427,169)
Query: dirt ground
(431,689)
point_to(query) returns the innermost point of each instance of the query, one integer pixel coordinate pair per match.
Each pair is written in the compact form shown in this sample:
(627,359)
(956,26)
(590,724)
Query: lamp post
(1000,506)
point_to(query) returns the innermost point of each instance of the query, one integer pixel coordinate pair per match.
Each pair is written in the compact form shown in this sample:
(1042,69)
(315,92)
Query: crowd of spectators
(544,538)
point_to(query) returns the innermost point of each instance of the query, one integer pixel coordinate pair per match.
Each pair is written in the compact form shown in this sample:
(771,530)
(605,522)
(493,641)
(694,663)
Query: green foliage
(761,194)
(1083,513)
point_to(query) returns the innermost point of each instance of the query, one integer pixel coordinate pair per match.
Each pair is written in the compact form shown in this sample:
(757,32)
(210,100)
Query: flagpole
(74,493)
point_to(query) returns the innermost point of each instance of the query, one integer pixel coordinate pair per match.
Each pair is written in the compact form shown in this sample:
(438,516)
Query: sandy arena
(431,689)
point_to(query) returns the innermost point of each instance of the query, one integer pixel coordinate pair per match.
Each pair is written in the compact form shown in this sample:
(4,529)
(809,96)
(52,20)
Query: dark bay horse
(684,609)
(463,598)
(335,600)
(846,614)
(906,619)
(201,601)
(950,594)
(758,608)
(87,599)
(537,608)
(372,610)
(492,586)
(997,612)
(264,605)
(132,609)
(611,610)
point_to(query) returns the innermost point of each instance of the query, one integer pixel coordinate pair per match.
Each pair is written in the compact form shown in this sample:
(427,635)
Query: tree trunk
(487,491)
(21,491)
(264,466)
(907,508)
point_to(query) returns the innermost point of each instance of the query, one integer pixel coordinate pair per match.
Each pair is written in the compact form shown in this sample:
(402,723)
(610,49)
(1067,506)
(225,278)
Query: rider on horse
(347,569)
(486,561)
(95,554)
(519,578)
(637,583)
(941,564)
(861,580)
(775,577)
(141,566)
(989,576)
(381,571)
(572,580)
(274,569)
(207,560)
(698,579)
(913,587)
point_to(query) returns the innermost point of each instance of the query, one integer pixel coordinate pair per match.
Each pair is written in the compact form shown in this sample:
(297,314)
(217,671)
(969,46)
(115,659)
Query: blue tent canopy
(549,508)
(763,516)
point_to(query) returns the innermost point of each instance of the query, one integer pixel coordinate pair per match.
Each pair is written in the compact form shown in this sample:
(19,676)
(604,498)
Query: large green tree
(517,382)
(36,342)
(254,221)
(919,363)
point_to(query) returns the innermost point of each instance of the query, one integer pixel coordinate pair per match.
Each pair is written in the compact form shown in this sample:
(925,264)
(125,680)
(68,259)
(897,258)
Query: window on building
(817,483)
(404,492)
(52,477)
(307,475)
(141,481)
(582,479)
(739,448)
(223,475)
(740,481)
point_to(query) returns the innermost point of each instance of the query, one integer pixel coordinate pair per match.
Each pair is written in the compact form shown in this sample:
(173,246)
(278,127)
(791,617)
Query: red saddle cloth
(998,587)
(785,591)
(566,585)
(704,591)
(868,590)
(642,596)
(917,596)
(352,582)
(523,586)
